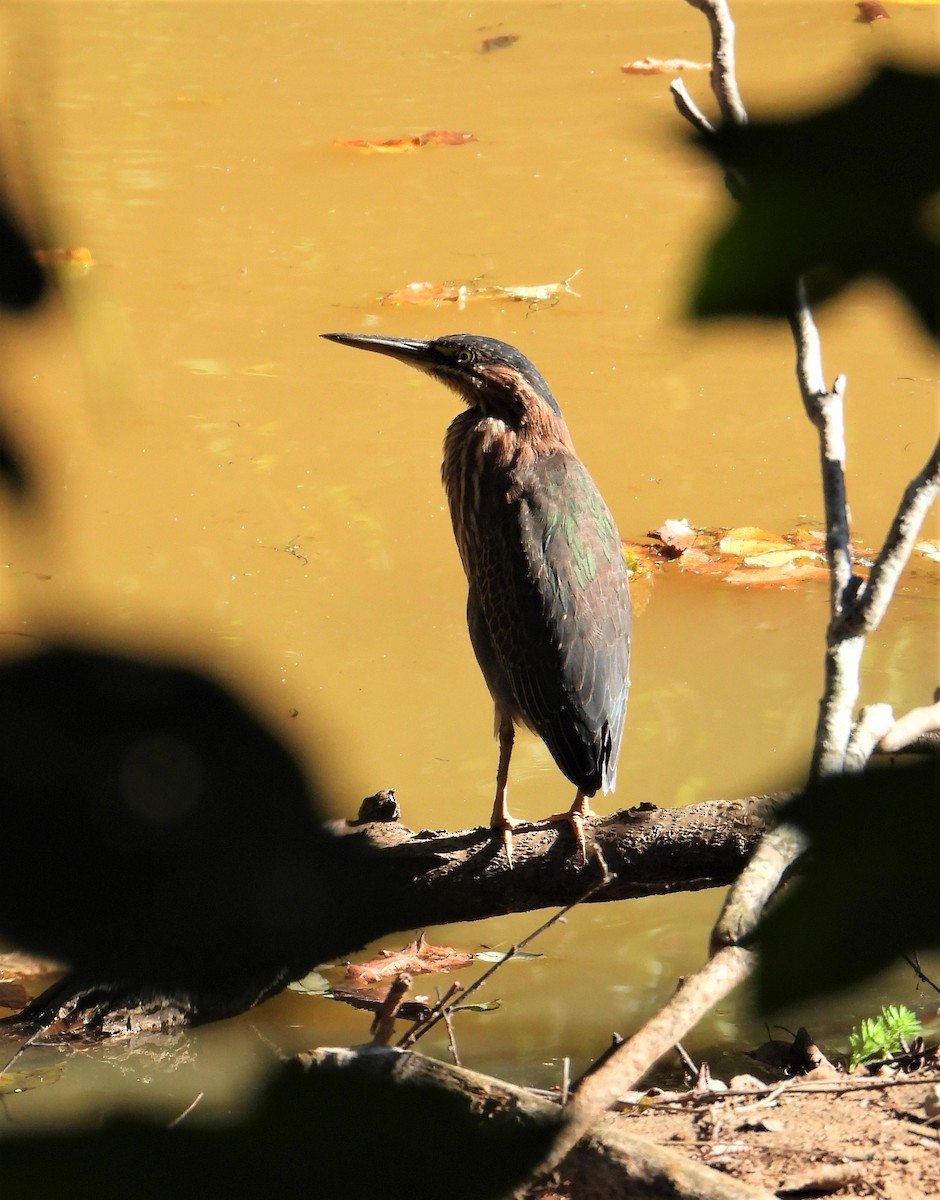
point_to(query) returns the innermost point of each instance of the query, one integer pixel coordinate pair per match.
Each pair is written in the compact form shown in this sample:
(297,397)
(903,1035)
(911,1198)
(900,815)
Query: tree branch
(723,76)
(604,1161)
(434,878)
(875,595)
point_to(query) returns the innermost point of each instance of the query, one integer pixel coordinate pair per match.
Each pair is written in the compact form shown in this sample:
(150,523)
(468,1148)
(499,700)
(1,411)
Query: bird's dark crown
(493,369)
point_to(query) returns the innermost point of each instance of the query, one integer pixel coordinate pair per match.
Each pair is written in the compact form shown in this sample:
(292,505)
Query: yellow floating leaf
(75,259)
(790,575)
(749,539)
(403,145)
(778,558)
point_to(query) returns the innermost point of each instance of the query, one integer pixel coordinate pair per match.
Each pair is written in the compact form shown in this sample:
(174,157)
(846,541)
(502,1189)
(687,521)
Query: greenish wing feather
(553,595)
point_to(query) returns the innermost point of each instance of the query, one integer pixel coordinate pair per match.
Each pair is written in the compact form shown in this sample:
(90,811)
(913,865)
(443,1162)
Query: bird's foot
(506,824)
(576,815)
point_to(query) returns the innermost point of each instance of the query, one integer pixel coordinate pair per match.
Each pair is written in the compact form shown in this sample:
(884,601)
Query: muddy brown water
(220,481)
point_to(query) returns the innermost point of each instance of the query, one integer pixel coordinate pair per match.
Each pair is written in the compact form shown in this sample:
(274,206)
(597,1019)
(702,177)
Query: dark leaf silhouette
(840,194)
(869,892)
(413,1139)
(163,843)
(22,280)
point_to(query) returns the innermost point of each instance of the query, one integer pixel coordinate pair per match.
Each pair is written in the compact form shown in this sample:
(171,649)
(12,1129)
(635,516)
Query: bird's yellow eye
(464,356)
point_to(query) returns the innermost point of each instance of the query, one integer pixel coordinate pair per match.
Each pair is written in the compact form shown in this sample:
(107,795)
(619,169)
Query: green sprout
(881,1037)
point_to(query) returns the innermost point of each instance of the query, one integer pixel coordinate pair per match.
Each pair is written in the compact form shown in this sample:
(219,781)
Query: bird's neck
(486,462)
(476,439)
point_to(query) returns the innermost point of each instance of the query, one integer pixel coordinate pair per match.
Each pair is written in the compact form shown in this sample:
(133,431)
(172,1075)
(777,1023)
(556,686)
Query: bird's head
(487,374)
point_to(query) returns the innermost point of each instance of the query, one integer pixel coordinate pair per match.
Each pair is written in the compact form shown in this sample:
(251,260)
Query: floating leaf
(312,984)
(446,137)
(750,540)
(778,558)
(869,11)
(452,292)
(417,958)
(427,293)
(13,995)
(788,575)
(675,535)
(744,555)
(74,259)
(662,66)
(26,1080)
(500,42)
(404,145)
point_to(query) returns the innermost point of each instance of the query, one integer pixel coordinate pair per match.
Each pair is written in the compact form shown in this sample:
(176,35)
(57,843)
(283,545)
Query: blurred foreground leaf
(845,192)
(869,892)
(326,1132)
(164,843)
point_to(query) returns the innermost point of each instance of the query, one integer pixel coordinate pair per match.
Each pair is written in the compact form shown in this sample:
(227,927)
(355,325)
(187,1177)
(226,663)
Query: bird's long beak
(413,351)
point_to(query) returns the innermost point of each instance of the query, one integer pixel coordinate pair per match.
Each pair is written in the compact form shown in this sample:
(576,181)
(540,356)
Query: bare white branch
(688,108)
(873,723)
(723,77)
(875,595)
(907,729)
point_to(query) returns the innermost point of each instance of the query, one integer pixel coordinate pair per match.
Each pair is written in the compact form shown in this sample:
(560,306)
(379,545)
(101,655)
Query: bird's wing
(554,592)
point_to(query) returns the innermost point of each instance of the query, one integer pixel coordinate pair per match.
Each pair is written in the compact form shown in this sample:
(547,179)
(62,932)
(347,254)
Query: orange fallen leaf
(67,256)
(417,958)
(452,292)
(13,995)
(393,146)
(675,536)
(404,145)
(789,575)
(746,554)
(426,293)
(869,11)
(662,66)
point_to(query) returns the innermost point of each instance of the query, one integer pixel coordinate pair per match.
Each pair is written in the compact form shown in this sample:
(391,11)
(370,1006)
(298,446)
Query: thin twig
(21,1050)
(688,108)
(914,964)
(417,1032)
(451,1037)
(186,1111)
(875,595)
(696,996)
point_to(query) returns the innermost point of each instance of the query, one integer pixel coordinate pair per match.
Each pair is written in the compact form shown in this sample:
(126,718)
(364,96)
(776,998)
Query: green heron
(549,601)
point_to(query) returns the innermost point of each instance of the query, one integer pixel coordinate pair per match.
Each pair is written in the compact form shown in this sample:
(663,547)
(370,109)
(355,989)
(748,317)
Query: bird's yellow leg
(579,812)
(501,818)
